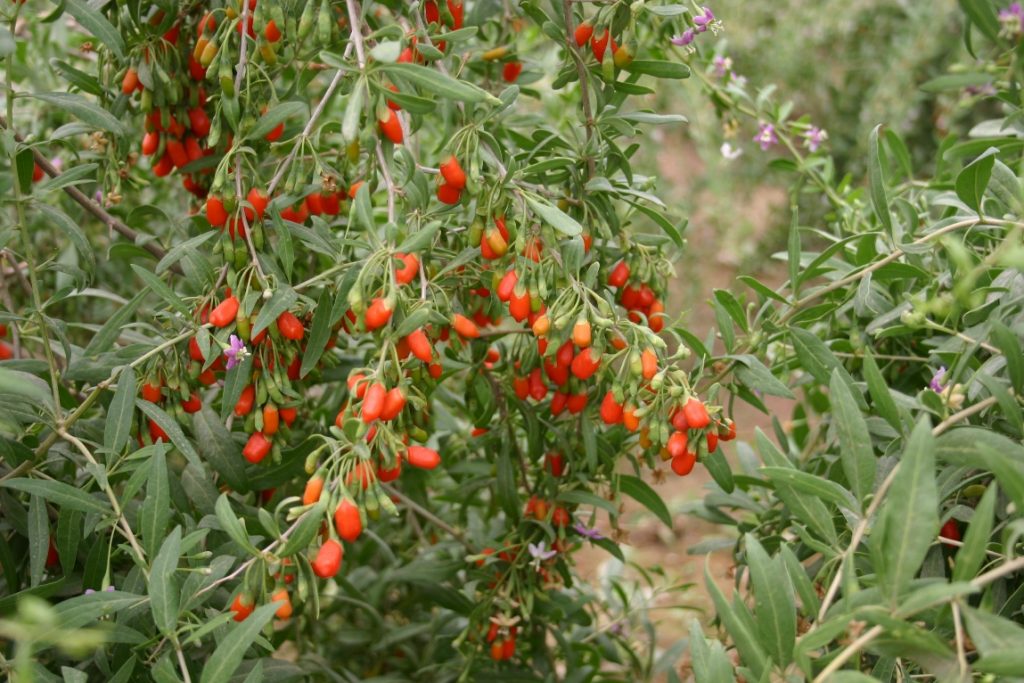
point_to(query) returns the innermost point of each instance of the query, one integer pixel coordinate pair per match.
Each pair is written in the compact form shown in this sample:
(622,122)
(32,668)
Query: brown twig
(89,205)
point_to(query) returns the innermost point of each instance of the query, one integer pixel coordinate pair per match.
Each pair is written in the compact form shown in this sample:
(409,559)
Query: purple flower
(936,383)
(766,137)
(814,138)
(538,552)
(704,21)
(235,352)
(1012,19)
(587,532)
(722,65)
(685,39)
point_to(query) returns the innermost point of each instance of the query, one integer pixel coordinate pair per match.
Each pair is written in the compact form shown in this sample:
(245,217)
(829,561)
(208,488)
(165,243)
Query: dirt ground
(707,264)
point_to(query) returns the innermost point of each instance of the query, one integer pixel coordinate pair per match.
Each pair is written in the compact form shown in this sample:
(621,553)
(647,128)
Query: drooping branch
(91,206)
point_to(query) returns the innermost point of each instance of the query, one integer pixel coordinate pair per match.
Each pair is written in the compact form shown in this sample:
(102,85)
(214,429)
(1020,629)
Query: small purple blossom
(936,383)
(1012,19)
(766,137)
(540,553)
(98,197)
(235,351)
(685,39)
(722,65)
(90,591)
(587,532)
(704,21)
(814,138)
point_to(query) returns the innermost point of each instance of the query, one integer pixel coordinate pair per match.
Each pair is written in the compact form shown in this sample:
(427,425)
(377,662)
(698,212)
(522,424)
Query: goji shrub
(332,327)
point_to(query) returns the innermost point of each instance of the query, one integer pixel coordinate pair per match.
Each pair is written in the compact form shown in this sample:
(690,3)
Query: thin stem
(849,651)
(581,72)
(958,629)
(26,245)
(428,515)
(121,520)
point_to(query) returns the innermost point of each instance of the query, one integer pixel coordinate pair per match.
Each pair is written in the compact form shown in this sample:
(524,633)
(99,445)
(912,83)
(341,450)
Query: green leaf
(96,24)
(60,494)
(908,519)
(156,508)
(219,449)
(718,467)
(658,68)
(819,487)
(555,217)
(230,651)
(171,428)
(982,14)
(306,531)
(581,497)
(280,302)
(278,114)
(747,641)
(84,110)
(118,426)
(231,524)
(162,289)
(25,386)
(876,180)
(163,584)
(62,221)
(753,373)
(808,508)
(320,331)
(881,397)
(1009,344)
(353,111)
(38,539)
(104,339)
(775,604)
(972,181)
(856,453)
(434,81)
(637,489)
(235,381)
(971,554)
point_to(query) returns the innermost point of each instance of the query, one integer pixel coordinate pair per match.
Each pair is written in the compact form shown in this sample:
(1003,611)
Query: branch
(89,205)
(581,71)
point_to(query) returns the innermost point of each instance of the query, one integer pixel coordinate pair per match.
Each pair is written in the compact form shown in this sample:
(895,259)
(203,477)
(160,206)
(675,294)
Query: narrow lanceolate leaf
(746,639)
(306,531)
(319,333)
(97,25)
(881,397)
(156,508)
(278,114)
(171,428)
(856,452)
(972,181)
(433,81)
(118,426)
(60,494)
(230,651)
(84,110)
(280,302)
(231,525)
(972,553)
(38,538)
(908,519)
(876,180)
(555,217)
(775,605)
(163,584)
(161,289)
(637,489)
